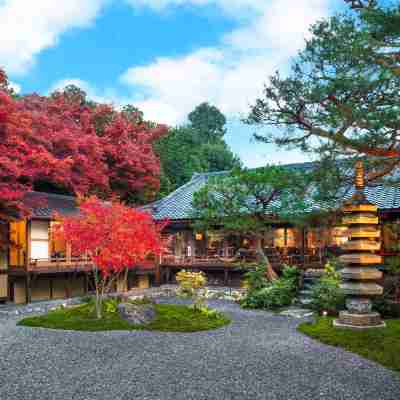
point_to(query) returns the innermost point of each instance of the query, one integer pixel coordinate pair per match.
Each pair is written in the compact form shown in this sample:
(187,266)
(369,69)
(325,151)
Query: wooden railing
(60,263)
(277,260)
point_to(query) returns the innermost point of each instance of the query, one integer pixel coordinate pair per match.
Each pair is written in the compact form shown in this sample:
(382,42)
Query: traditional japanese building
(218,254)
(38,266)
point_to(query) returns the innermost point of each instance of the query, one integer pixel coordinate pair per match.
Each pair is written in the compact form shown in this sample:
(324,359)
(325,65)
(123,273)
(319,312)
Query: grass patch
(170,318)
(379,345)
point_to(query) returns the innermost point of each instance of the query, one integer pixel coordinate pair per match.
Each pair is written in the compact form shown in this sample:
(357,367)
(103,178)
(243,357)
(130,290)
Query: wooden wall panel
(19,292)
(41,289)
(3,286)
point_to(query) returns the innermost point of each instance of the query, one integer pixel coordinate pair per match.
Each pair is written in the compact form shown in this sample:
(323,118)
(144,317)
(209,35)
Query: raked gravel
(259,356)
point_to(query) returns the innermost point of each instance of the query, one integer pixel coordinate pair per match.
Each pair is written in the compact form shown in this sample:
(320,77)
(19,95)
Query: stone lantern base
(359,315)
(359,321)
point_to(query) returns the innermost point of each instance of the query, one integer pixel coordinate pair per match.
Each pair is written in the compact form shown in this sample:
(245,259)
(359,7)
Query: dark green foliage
(256,278)
(170,318)
(272,295)
(196,147)
(343,90)
(249,200)
(208,121)
(326,294)
(380,345)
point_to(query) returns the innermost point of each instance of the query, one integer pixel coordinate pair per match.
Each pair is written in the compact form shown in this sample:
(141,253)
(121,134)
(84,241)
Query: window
(39,240)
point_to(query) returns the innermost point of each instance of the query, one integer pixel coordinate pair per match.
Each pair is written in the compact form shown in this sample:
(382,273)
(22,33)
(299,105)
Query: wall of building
(18,248)
(3,276)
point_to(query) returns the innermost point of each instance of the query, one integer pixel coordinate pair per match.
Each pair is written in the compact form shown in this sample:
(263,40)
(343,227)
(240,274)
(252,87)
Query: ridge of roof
(53,195)
(307,164)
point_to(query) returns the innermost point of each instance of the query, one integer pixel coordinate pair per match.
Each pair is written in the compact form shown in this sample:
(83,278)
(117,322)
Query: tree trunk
(270,273)
(99,294)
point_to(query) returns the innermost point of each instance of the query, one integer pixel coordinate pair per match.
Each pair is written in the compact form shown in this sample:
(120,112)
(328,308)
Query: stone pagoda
(361,260)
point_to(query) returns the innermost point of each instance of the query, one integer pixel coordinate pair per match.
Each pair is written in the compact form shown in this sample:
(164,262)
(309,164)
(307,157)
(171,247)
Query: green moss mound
(381,345)
(170,318)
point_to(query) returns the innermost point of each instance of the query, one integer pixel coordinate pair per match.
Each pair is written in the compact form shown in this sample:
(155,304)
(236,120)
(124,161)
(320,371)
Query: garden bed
(381,345)
(169,318)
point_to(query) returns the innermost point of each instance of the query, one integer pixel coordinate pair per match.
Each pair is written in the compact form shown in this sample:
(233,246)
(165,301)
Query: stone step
(304,301)
(308,285)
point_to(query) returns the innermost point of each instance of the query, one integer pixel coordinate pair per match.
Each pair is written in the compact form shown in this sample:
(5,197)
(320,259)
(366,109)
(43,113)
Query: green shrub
(327,295)
(256,278)
(276,294)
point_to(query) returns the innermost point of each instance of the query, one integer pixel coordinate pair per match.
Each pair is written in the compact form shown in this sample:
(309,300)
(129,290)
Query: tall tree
(67,144)
(209,121)
(196,147)
(341,99)
(249,201)
(115,237)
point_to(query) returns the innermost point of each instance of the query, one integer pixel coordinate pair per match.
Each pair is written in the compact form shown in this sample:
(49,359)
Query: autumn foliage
(73,146)
(115,237)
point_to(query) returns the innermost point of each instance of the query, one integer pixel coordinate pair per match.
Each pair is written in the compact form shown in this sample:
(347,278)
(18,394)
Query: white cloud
(230,75)
(29,26)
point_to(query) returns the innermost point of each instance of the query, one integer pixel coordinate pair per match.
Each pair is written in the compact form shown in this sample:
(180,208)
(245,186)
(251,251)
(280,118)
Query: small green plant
(327,295)
(111,305)
(275,294)
(192,285)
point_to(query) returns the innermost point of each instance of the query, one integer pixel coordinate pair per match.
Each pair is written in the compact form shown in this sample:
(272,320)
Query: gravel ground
(259,356)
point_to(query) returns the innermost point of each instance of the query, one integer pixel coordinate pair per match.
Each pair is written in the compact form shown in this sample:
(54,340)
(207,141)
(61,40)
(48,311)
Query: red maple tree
(72,146)
(115,237)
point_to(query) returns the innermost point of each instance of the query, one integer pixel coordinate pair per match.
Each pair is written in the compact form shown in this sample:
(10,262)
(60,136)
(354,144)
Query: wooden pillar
(28,292)
(168,278)
(51,288)
(86,282)
(158,271)
(285,236)
(226,276)
(68,286)
(303,245)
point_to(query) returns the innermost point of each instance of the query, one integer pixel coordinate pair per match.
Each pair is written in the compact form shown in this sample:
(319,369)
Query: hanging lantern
(199,236)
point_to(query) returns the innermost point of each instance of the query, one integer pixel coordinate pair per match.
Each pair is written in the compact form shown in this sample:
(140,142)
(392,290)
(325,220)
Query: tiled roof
(45,205)
(178,204)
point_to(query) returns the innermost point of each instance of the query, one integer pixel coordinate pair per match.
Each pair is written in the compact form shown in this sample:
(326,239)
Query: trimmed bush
(275,294)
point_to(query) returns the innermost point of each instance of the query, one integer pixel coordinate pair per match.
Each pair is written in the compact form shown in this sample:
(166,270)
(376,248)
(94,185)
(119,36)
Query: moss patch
(170,318)
(379,345)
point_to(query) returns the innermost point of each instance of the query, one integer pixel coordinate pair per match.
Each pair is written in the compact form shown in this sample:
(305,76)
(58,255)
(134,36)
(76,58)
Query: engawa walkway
(259,356)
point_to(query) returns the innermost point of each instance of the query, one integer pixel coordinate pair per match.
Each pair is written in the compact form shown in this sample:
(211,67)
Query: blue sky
(165,56)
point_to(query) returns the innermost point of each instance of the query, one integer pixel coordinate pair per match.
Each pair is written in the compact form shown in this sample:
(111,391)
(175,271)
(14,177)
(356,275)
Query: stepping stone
(296,313)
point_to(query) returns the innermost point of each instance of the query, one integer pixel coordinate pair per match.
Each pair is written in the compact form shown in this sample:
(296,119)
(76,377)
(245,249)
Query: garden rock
(137,313)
